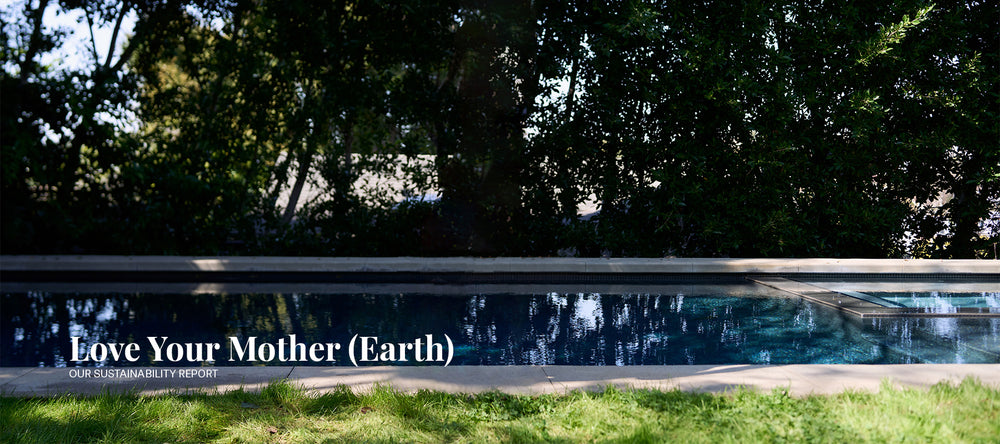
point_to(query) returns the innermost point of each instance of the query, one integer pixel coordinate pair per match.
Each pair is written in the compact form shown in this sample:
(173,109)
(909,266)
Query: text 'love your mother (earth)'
(360,350)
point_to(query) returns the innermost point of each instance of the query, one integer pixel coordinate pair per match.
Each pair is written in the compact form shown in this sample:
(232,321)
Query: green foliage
(769,129)
(892,35)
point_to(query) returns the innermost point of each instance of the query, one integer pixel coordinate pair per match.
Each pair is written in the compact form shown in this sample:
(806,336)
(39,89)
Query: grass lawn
(967,412)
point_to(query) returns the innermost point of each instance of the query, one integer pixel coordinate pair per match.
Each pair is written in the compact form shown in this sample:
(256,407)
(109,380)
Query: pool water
(939,300)
(545,328)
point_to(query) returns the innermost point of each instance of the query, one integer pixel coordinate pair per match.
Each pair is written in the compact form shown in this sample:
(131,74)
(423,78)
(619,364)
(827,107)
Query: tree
(60,128)
(768,129)
(780,129)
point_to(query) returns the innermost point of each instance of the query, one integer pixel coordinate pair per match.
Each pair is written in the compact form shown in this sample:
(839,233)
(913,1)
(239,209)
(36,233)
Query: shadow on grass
(26,420)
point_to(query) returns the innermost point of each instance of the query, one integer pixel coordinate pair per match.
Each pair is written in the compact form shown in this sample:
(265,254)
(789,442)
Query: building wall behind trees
(779,129)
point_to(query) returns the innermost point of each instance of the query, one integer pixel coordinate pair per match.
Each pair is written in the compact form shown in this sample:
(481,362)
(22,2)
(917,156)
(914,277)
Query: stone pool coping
(247,264)
(799,380)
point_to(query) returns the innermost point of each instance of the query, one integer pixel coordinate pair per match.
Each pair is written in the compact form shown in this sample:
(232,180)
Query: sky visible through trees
(775,129)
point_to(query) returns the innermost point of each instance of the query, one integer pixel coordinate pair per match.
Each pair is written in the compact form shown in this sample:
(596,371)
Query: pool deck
(799,380)
(246,264)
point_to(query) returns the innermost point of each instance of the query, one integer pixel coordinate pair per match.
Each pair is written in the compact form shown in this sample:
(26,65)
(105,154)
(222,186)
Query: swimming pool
(734,323)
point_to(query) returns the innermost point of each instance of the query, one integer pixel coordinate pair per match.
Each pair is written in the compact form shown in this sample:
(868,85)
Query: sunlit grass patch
(282,413)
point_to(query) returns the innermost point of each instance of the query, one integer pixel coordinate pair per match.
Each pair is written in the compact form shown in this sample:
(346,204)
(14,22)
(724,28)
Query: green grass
(967,412)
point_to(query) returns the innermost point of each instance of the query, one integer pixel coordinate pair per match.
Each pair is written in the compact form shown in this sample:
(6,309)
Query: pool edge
(272,264)
(468,270)
(798,380)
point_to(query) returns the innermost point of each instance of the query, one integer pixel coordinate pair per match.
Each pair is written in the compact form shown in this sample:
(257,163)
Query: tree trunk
(305,163)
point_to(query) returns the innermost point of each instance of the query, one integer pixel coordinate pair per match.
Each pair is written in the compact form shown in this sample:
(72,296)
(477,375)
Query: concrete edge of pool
(799,380)
(67,263)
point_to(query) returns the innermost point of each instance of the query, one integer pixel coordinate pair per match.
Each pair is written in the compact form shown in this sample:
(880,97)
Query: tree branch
(34,42)
(93,41)
(114,37)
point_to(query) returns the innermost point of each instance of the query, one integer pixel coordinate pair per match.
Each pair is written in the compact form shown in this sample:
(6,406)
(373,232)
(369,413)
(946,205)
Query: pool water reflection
(941,301)
(502,329)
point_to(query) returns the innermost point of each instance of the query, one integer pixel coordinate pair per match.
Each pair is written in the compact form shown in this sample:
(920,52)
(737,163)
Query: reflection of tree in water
(564,329)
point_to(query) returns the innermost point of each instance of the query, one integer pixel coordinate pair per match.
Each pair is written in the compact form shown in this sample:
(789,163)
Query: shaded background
(632,128)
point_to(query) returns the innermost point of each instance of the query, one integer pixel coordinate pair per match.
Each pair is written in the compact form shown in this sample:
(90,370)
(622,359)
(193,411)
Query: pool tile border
(245,264)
